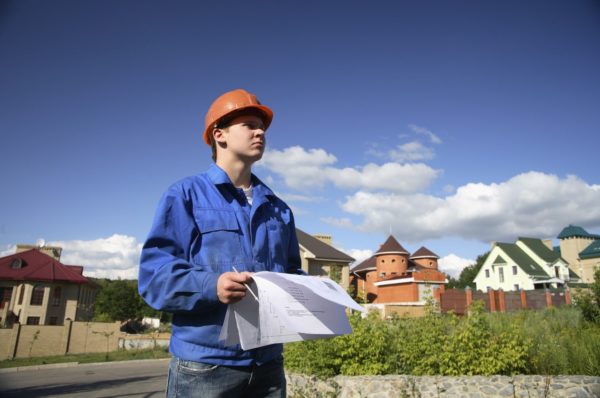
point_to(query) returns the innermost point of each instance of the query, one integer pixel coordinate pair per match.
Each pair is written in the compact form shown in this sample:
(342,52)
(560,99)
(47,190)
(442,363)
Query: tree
(589,301)
(468,274)
(118,300)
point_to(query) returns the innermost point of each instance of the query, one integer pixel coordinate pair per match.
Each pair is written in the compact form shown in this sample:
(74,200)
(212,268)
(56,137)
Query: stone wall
(443,387)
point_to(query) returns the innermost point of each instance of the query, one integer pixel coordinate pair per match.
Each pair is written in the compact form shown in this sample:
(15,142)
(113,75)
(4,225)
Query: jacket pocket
(221,238)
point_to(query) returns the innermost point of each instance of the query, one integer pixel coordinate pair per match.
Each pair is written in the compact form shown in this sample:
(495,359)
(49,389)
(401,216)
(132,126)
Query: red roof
(391,245)
(424,253)
(37,266)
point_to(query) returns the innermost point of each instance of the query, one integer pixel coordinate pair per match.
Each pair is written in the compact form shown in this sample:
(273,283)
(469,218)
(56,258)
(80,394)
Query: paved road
(112,379)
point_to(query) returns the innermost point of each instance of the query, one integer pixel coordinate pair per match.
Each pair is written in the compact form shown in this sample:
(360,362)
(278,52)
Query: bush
(527,342)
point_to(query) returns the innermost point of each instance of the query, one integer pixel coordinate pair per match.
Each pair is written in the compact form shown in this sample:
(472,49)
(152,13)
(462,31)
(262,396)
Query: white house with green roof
(581,250)
(527,264)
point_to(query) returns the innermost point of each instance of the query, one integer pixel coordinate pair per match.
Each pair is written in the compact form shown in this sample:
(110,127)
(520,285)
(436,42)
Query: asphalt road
(111,379)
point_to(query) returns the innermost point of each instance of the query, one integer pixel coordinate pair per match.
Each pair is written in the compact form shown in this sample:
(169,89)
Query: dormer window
(17,263)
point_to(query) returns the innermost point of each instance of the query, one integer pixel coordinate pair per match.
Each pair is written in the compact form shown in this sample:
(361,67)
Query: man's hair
(226,121)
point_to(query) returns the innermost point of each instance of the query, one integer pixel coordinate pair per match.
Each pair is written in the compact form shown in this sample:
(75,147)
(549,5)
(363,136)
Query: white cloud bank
(453,264)
(529,204)
(114,257)
(304,169)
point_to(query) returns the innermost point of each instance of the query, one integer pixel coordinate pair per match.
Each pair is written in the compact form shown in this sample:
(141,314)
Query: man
(210,232)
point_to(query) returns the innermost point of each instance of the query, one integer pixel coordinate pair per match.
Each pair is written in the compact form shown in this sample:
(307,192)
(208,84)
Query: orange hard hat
(229,103)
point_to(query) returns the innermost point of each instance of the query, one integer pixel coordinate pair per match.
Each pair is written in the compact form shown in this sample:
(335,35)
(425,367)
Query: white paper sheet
(289,308)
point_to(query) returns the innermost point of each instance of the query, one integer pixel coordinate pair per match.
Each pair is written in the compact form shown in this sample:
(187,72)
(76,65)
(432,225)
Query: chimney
(324,238)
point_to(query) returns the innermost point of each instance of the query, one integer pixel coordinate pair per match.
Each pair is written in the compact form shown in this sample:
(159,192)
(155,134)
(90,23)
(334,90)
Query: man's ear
(218,135)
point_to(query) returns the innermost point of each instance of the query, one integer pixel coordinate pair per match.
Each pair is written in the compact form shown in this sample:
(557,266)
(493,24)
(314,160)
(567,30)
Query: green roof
(540,249)
(593,250)
(526,263)
(573,231)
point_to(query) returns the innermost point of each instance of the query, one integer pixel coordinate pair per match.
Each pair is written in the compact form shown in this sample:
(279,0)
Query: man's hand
(230,286)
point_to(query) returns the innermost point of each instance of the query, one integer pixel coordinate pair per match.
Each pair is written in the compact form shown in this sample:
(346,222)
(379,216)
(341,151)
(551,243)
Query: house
(392,275)
(37,289)
(527,264)
(581,250)
(319,257)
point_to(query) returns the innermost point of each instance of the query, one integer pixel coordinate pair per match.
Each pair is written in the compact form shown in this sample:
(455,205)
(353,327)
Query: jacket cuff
(208,286)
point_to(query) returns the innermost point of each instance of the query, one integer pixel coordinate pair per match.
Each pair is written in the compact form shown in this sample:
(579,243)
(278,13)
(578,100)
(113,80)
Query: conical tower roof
(391,246)
(424,252)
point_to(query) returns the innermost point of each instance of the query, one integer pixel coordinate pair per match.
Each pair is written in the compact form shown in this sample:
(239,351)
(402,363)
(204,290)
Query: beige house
(319,257)
(581,250)
(37,289)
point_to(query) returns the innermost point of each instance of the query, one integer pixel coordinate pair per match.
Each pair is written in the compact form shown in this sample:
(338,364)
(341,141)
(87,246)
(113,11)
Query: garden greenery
(556,341)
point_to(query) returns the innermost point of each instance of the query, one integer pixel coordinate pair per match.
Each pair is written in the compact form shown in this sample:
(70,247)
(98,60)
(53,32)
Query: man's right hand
(231,288)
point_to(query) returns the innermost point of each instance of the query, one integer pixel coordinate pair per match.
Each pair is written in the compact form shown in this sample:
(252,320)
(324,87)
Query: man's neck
(238,172)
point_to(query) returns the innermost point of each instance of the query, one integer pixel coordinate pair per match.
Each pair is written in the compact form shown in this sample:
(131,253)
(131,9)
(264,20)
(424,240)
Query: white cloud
(7,250)
(359,255)
(453,265)
(422,130)
(114,257)
(529,204)
(302,169)
(411,152)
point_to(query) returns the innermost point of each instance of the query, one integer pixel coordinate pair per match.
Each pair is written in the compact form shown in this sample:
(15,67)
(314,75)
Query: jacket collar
(218,176)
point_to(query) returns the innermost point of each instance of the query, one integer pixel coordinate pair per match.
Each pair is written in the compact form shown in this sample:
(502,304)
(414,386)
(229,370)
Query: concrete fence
(23,341)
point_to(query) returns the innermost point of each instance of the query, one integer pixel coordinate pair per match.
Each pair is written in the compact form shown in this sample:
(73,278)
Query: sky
(450,125)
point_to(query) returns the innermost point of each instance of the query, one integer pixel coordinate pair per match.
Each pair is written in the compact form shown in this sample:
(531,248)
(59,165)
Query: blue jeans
(196,379)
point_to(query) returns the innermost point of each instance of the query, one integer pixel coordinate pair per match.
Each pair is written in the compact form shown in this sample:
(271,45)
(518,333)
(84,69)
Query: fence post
(548,299)
(66,337)
(492,298)
(501,301)
(14,340)
(523,299)
(567,296)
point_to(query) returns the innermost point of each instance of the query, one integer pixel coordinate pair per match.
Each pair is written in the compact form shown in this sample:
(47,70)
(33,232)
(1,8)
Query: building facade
(37,289)
(527,264)
(581,250)
(392,275)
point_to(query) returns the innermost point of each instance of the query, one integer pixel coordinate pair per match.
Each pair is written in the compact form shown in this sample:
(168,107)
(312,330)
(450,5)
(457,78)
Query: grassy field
(87,358)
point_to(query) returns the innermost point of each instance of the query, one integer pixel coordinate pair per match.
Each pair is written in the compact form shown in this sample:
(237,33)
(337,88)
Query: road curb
(70,364)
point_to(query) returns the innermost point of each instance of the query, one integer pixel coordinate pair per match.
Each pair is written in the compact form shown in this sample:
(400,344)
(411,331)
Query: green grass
(87,358)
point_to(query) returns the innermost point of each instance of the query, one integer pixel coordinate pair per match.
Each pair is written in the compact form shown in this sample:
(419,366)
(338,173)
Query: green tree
(118,300)
(468,274)
(588,301)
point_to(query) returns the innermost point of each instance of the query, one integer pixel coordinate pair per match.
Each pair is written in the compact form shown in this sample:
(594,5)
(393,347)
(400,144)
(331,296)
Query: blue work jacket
(203,227)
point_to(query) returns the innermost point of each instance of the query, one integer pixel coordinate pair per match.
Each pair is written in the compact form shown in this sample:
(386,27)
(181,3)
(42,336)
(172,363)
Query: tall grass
(548,342)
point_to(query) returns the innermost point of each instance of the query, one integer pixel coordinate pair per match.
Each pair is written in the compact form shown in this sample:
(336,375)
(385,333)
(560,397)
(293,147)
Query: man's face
(245,137)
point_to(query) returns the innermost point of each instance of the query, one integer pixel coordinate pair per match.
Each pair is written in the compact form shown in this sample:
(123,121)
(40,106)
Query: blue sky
(450,124)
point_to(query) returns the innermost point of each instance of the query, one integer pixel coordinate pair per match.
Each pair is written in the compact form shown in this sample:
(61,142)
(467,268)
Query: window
(33,320)
(517,287)
(53,320)
(56,296)
(501,274)
(382,274)
(514,270)
(556,272)
(5,295)
(487,273)
(37,296)
(21,294)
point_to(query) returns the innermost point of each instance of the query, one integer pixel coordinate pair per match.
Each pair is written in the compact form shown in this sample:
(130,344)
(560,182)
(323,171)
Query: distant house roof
(540,249)
(391,245)
(592,251)
(424,252)
(526,263)
(320,249)
(367,265)
(33,265)
(574,231)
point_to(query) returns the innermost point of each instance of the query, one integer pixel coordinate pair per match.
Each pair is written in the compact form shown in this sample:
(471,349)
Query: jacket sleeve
(167,280)
(294,265)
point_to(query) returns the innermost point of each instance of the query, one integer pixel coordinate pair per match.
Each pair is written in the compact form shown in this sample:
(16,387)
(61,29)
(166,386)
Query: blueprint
(287,308)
